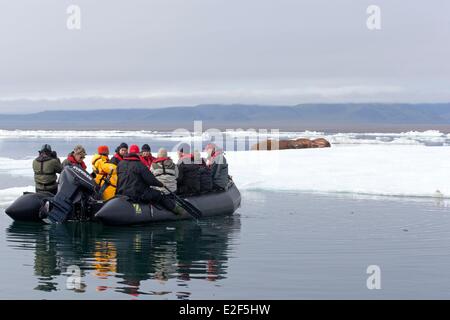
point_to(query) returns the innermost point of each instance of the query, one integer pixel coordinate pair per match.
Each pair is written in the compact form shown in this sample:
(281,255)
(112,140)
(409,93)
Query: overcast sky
(186,52)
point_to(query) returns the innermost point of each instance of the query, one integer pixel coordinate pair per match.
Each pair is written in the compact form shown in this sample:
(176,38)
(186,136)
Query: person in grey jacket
(165,170)
(219,167)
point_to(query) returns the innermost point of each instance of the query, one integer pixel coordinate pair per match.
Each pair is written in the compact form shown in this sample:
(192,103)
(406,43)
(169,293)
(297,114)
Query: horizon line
(216,104)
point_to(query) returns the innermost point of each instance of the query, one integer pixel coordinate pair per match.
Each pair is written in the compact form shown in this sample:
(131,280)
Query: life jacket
(41,159)
(95,166)
(45,169)
(132,157)
(187,156)
(147,161)
(163,167)
(104,169)
(156,160)
(74,162)
(214,155)
(118,157)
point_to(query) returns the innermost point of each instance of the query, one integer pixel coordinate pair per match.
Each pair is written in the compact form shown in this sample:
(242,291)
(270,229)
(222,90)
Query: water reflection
(127,256)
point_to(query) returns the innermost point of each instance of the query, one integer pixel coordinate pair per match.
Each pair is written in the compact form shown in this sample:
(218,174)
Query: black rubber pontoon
(121,211)
(26,207)
(75,201)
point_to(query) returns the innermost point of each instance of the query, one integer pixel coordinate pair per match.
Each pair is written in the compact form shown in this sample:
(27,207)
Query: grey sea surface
(277,246)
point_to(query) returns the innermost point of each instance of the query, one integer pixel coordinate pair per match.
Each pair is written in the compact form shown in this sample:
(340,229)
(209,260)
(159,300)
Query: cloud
(177,52)
(194,96)
(274,93)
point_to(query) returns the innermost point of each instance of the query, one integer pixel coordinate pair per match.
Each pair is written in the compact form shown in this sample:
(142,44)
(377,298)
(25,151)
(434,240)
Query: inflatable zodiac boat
(76,201)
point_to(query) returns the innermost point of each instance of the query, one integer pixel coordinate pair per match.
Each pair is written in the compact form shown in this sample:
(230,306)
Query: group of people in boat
(135,173)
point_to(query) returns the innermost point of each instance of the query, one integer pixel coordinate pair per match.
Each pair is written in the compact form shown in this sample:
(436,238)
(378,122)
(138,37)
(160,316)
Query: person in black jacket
(188,181)
(219,167)
(135,181)
(205,174)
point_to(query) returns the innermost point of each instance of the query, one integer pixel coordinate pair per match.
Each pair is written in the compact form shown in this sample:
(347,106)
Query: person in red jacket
(121,151)
(146,156)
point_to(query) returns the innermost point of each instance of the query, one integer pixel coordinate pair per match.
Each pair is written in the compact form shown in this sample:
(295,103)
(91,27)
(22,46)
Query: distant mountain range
(324,117)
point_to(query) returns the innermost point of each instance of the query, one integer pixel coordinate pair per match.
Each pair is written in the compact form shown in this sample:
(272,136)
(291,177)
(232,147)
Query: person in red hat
(136,181)
(105,172)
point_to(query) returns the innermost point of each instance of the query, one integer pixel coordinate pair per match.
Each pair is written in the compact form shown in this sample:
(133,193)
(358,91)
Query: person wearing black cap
(146,156)
(45,168)
(188,180)
(121,152)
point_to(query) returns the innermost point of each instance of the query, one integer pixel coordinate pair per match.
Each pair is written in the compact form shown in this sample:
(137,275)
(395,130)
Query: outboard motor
(74,185)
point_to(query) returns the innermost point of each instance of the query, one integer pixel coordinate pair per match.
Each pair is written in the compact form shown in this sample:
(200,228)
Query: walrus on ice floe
(291,144)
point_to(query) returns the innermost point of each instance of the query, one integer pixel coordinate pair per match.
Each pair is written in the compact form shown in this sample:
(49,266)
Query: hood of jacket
(132,157)
(43,157)
(166,160)
(97,157)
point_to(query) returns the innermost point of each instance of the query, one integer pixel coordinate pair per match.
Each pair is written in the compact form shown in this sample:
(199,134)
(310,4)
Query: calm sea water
(279,245)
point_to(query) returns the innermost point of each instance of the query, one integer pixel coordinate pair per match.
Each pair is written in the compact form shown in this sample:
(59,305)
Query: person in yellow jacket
(105,171)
